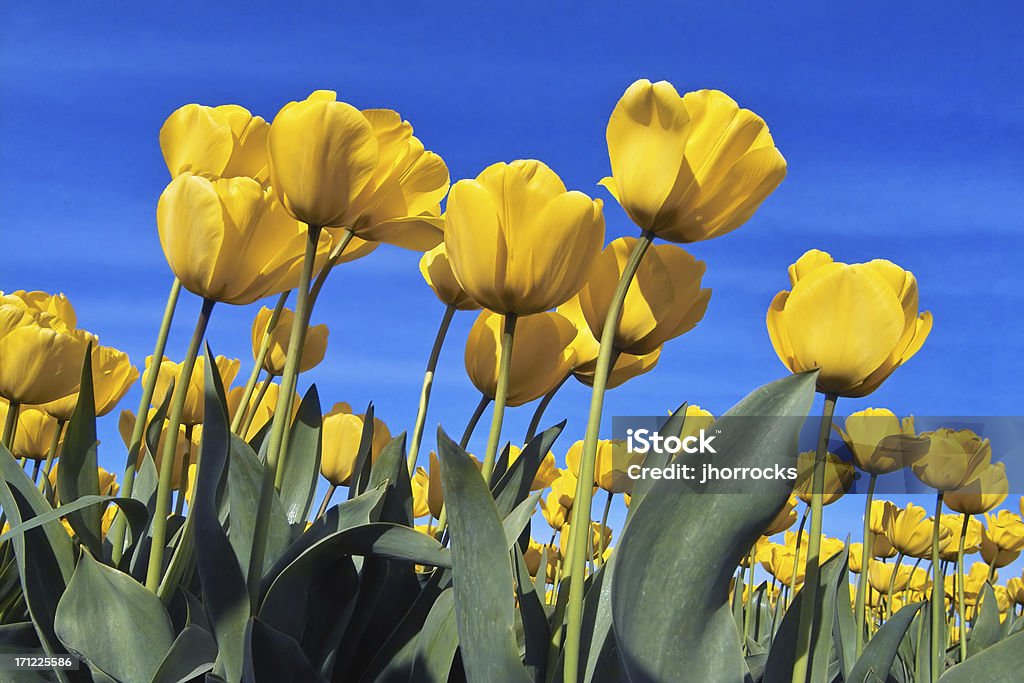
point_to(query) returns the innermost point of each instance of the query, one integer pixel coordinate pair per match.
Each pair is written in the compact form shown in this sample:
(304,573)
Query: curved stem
(796,554)
(865,559)
(604,523)
(10,425)
(282,414)
(808,606)
(892,585)
(541,407)
(261,356)
(36,465)
(327,501)
(504,367)
(247,423)
(51,453)
(584,490)
(938,594)
(748,602)
(474,420)
(332,260)
(428,382)
(961,606)
(163,492)
(119,526)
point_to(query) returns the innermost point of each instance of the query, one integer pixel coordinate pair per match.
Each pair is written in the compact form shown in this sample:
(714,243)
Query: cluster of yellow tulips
(258,209)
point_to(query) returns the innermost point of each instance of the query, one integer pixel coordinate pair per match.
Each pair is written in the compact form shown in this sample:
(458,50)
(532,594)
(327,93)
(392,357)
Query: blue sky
(901,124)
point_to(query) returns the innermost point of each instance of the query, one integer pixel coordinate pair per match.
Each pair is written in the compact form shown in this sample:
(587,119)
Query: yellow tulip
(954,458)
(312,351)
(881,547)
(663,302)
(554,512)
(782,564)
(911,532)
(219,142)
(437,272)
(108,485)
(1004,529)
(230,240)
(880,574)
(41,357)
(611,464)
(194,407)
(261,413)
(586,347)
(112,376)
(985,491)
(975,580)
(323,153)
(838,477)
(34,434)
(518,242)
(1015,590)
(546,473)
(972,539)
(689,168)
(855,323)
(420,484)
(596,533)
(342,432)
(564,487)
(126,424)
(697,419)
(993,554)
(430,483)
(534,552)
(920,580)
(882,514)
(56,305)
(879,442)
(856,554)
(541,356)
(785,518)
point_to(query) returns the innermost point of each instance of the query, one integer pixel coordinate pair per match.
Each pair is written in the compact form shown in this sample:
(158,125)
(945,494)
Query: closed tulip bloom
(182,447)
(541,357)
(986,491)
(663,301)
(1015,590)
(564,487)
(546,473)
(41,357)
(420,484)
(35,432)
(611,466)
(782,564)
(689,168)
(880,574)
(218,142)
(856,554)
(323,153)
(994,554)
(881,547)
(838,477)
(954,458)
(697,419)
(1005,529)
(855,323)
(554,512)
(193,411)
(342,432)
(312,351)
(518,242)
(108,485)
(972,539)
(880,443)
(882,514)
(785,518)
(586,348)
(112,376)
(431,483)
(263,412)
(911,532)
(56,305)
(230,240)
(533,555)
(437,272)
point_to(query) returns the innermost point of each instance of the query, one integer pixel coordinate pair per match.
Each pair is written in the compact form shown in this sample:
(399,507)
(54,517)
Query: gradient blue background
(901,124)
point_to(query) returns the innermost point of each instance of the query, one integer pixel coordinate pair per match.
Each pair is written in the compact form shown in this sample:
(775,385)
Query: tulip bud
(879,442)
(953,459)
(112,376)
(193,411)
(34,433)
(342,433)
(838,477)
(437,272)
(312,351)
(985,491)
(217,142)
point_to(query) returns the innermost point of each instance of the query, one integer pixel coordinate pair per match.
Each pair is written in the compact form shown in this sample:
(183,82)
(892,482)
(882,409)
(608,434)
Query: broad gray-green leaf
(273,657)
(987,630)
(191,655)
(113,622)
(879,653)
(437,642)
(1000,663)
(245,473)
(664,551)
(302,466)
(514,485)
(482,574)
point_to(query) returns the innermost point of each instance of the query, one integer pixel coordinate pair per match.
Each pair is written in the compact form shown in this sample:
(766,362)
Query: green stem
(51,452)
(865,559)
(604,522)
(504,366)
(282,415)
(796,555)
(120,525)
(747,603)
(179,504)
(332,260)
(938,594)
(961,606)
(327,501)
(11,424)
(261,356)
(251,412)
(541,407)
(892,585)
(808,606)
(584,487)
(428,382)
(163,492)
(474,420)
(36,464)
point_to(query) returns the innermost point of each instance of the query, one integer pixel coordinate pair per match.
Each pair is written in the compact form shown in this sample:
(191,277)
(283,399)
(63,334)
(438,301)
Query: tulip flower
(56,305)
(420,484)
(230,240)
(856,559)
(1015,590)
(696,419)
(313,349)
(985,491)
(437,272)
(855,323)
(971,537)
(35,434)
(663,301)
(551,507)
(217,142)
(838,477)
(430,480)
(261,412)
(534,552)
(689,168)
(186,450)
(600,537)
(954,458)
(564,488)
(194,405)
(881,575)
(880,443)
(882,514)
(342,432)
(112,376)
(784,519)
(546,473)
(613,462)
(911,531)
(1005,530)
(541,358)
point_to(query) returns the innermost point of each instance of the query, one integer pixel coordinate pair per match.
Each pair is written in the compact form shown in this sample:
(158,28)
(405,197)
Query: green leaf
(833,575)
(191,655)
(245,475)
(113,622)
(517,520)
(536,631)
(673,426)
(390,468)
(679,542)
(844,631)
(880,652)
(302,466)
(135,511)
(437,642)
(987,630)
(1000,663)
(514,486)
(364,461)
(273,657)
(482,574)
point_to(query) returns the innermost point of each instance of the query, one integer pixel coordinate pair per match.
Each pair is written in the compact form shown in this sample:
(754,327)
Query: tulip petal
(475,243)
(194,139)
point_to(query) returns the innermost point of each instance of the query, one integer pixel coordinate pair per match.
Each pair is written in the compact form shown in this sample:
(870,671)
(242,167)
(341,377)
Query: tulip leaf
(1000,662)
(191,655)
(673,426)
(302,466)
(245,474)
(536,630)
(113,622)
(517,520)
(437,642)
(663,551)
(482,574)
(364,460)
(144,491)
(78,474)
(987,629)
(514,486)
(273,657)
(880,652)
(390,468)
(833,574)
(844,631)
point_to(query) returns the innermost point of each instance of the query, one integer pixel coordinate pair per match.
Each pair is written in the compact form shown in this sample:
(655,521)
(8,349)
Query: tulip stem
(282,414)
(251,411)
(865,558)
(163,492)
(474,420)
(808,606)
(580,524)
(428,382)
(961,607)
(604,522)
(327,500)
(36,464)
(541,407)
(892,585)
(938,593)
(179,504)
(332,260)
(500,395)
(796,556)
(749,601)
(51,453)
(119,525)
(261,356)
(11,424)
